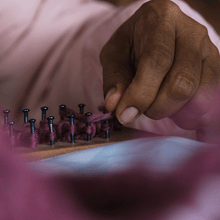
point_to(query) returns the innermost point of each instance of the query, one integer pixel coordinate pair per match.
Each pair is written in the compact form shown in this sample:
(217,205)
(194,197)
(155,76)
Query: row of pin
(50,122)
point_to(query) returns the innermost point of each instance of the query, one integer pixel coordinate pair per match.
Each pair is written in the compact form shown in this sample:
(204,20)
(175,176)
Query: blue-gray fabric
(159,154)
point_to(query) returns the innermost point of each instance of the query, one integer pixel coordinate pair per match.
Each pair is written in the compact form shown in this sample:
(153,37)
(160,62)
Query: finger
(179,86)
(155,58)
(183,79)
(113,96)
(117,70)
(196,113)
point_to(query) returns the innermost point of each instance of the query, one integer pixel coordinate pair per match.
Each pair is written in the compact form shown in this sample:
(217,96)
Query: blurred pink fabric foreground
(49,55)
(191,191)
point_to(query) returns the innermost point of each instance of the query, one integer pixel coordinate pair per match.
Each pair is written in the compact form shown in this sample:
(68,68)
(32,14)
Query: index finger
(154,52)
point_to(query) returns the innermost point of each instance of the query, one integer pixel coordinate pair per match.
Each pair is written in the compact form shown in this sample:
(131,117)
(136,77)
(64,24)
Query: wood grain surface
(46,151)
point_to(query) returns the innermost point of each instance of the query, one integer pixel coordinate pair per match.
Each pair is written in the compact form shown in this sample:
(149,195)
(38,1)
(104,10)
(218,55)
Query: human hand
(161,63)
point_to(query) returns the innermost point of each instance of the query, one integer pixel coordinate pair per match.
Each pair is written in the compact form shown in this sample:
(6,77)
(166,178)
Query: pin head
(45,108)
(71,116)
(50,118)
(88,114)
(62,106)
(26,115)
(81,108)
(6,111)
(32,120)
(26,110)
(81,105)
(11,123)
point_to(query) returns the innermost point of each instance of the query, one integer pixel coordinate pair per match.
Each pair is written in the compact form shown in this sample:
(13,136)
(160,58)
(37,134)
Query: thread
(62,131)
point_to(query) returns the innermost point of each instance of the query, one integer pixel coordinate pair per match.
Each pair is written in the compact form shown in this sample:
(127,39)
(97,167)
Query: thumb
(115,59)
(114,96)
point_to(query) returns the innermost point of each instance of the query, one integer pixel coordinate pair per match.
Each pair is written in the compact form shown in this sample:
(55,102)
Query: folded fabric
(159,154)
(150,178)
(154,178)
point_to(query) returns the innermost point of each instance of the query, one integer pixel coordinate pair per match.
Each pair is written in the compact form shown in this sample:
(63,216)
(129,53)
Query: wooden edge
(34,156)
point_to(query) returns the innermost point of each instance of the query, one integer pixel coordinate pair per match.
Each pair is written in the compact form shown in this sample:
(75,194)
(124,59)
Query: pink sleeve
(42,52)
(50,55)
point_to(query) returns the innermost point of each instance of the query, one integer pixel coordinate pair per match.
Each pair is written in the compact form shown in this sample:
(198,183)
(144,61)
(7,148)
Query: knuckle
(215,51)
(160,8)
(114,77)
(143,91)
(183,88)
(203,30)
(161,58)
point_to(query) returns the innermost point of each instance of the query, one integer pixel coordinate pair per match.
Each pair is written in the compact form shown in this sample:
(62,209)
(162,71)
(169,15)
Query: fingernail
(110,92)
(128,115)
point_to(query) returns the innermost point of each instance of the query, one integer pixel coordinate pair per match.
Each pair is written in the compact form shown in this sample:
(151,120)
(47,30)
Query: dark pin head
(62,106)
(44,110)
(11,123)
(88,114)
(71,116)
(50,118)
(6,112)
(32,123)
(32,120)
(26,110)
(81,105)
(81,108)
(50,122)
(26,115)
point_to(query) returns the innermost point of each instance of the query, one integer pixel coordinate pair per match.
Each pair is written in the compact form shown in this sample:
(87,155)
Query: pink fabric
(49,54)
(189,192)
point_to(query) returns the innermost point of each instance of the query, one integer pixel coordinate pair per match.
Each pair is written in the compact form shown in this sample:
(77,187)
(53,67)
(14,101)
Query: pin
(6,112)
(26,115)
(32,123)
(11,123)
(50,123)
(72,136)
(107,133)
(62,107)
(89,127)
(81,108)
(44,112)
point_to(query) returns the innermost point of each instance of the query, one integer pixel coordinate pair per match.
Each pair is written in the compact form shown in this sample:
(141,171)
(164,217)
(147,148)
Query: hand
(161,63)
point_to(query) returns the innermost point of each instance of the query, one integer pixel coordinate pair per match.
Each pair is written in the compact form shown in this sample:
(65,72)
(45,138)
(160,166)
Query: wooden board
(46,151)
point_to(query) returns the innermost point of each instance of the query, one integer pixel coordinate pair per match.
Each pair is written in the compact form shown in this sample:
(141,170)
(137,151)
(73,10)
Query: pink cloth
(189,191)
(49,55)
